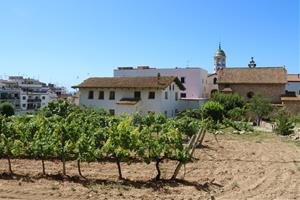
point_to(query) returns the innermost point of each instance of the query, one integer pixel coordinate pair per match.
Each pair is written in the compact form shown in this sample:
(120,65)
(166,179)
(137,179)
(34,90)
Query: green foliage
(7,109)
(229,101)
(187,125)
(67,132)
(59,107)
(260,107)
(297,118)
(238,125)
(236,113)
(213,110)
(283,122)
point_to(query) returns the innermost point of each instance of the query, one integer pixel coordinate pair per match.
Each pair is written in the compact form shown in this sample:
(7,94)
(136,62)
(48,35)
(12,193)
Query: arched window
(250,95)
(215,80)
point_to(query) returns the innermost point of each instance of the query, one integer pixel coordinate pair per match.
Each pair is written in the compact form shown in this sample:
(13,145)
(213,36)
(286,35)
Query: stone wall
(270,91)
(292,106)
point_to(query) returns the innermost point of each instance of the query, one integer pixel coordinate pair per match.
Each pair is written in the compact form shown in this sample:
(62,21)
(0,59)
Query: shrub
(236,113)
(229,101)
(283,123)
(213,110)
(7,109)
(260,107)
(240,126)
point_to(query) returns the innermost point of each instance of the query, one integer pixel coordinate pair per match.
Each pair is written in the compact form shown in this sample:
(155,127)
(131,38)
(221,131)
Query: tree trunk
(119,169)
(158,169)
(79,168)
(9,165)
(43,164)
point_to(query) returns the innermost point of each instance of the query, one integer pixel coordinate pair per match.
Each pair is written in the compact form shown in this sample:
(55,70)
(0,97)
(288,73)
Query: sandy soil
(237,169)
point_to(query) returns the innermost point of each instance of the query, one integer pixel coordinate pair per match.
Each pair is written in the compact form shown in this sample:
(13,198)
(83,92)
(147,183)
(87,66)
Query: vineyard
(63,146)
(70,133)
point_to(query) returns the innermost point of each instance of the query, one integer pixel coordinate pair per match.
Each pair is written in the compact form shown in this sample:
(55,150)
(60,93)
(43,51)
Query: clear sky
(66,41)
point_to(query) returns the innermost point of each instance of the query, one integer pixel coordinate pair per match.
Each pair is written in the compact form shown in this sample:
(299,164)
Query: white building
(193,79)
(293,83)
(118,95)
(212,84)
(26,94)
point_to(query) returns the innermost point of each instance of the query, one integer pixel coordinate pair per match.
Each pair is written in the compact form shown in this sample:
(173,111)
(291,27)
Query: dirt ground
(237,168)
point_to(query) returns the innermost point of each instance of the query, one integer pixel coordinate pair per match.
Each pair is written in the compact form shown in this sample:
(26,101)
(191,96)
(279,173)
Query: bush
(236,113)
(260,107)
(240,126)
(213,110)
(229,101)
(283,123)
(7,109)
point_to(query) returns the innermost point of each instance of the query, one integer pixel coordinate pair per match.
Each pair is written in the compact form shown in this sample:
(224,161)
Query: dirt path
(239,169)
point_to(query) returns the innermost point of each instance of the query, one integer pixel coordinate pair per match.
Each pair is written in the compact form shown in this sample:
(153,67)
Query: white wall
(195,78)
(145,105)
(293,87)
(210,84)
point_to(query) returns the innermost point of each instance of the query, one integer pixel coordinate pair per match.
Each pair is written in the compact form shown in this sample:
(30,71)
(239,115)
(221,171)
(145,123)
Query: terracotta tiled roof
(130,82)
(293,77)
(258,75)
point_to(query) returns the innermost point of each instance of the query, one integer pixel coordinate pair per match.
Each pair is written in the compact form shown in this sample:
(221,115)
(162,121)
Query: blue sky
(66,41)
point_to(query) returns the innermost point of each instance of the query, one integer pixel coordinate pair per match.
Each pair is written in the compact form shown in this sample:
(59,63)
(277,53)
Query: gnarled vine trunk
(158,160)
(119,169)
(9,165)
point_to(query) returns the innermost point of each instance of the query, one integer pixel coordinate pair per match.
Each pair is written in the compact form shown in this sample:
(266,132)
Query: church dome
(220,52)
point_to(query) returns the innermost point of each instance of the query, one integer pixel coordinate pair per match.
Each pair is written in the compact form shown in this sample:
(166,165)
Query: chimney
(158,76)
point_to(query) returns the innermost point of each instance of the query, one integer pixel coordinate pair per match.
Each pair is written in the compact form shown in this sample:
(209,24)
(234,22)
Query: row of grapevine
(67,132)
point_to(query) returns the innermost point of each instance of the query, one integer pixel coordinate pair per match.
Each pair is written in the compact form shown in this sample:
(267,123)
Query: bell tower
(219,59)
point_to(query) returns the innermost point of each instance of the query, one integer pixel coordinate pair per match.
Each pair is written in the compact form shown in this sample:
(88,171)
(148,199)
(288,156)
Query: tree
(283,122)
(229,101)
(260,107)
(213,110)
(7,109)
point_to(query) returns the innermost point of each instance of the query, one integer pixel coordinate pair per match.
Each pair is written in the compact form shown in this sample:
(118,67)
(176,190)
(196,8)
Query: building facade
(193,79)
(267,81)
(132,94)
(27,95)
(293,83)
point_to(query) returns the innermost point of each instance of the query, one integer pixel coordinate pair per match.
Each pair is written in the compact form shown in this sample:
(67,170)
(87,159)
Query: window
(43,97)
(166,95)
(24,97)
(182,79)
(176,111)
(91,94)
(183,95)
(173,87)
(250,95)
(176,96)
(111,95)
(151,95)
(166,113)
(111,111)
(137,95)
(23,105)
(169,87)
(101,95)
(215,81)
